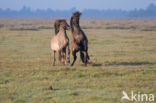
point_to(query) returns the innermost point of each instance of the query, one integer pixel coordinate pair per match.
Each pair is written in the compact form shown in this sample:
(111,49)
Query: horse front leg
(54,59)
(60,55)
(64,55)
(68,58)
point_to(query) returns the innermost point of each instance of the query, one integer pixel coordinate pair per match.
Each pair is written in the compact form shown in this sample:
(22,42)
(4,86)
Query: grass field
(123,52)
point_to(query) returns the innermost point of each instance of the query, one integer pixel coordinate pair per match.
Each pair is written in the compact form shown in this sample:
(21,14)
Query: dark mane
(71,24)
(74,21)
(57,25)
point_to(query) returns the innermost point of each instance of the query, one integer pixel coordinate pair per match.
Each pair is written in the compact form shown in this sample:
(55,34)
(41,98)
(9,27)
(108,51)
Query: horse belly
(78,38)
(63,43)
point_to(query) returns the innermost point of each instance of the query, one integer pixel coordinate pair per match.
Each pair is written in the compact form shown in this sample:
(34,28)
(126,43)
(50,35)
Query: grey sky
(79,4)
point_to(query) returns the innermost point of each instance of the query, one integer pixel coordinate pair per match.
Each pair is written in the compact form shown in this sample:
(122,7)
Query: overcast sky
(79,4)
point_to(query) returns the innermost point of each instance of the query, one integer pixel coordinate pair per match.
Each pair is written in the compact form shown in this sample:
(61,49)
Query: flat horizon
(78,4)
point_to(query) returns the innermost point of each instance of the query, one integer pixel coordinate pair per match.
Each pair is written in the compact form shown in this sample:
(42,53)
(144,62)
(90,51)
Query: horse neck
(75,25)
(76,28)
(62,31)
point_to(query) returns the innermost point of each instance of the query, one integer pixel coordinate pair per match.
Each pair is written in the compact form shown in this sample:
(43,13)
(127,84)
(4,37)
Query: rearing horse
(80,41)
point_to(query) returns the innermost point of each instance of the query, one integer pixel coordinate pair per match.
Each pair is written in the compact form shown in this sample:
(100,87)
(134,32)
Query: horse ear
(77,13)
(73,14)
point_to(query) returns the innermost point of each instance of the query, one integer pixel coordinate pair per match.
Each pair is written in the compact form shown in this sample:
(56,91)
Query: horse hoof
(68,62)
(85,64)
(89,62)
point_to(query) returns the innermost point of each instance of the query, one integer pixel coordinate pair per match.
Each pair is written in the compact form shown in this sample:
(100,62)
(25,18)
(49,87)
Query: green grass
(123,59)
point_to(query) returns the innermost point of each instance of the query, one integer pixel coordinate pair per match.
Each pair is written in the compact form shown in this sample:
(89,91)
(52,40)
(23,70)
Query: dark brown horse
(80,41)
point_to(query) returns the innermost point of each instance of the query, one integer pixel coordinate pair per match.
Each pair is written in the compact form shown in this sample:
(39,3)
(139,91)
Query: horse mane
(57,25)
(71,24)
(76,16)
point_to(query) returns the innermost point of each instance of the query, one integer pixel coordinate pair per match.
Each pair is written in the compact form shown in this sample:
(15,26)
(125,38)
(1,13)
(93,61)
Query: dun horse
(57,27)
(60,42)
(80,41)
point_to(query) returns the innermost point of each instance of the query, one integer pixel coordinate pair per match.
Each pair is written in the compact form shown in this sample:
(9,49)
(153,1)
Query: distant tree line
(150,11)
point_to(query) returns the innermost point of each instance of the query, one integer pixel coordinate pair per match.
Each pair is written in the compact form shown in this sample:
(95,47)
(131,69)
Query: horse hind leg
(88,58)
(62,57)
(82,56)
(85,57)
(75,57)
